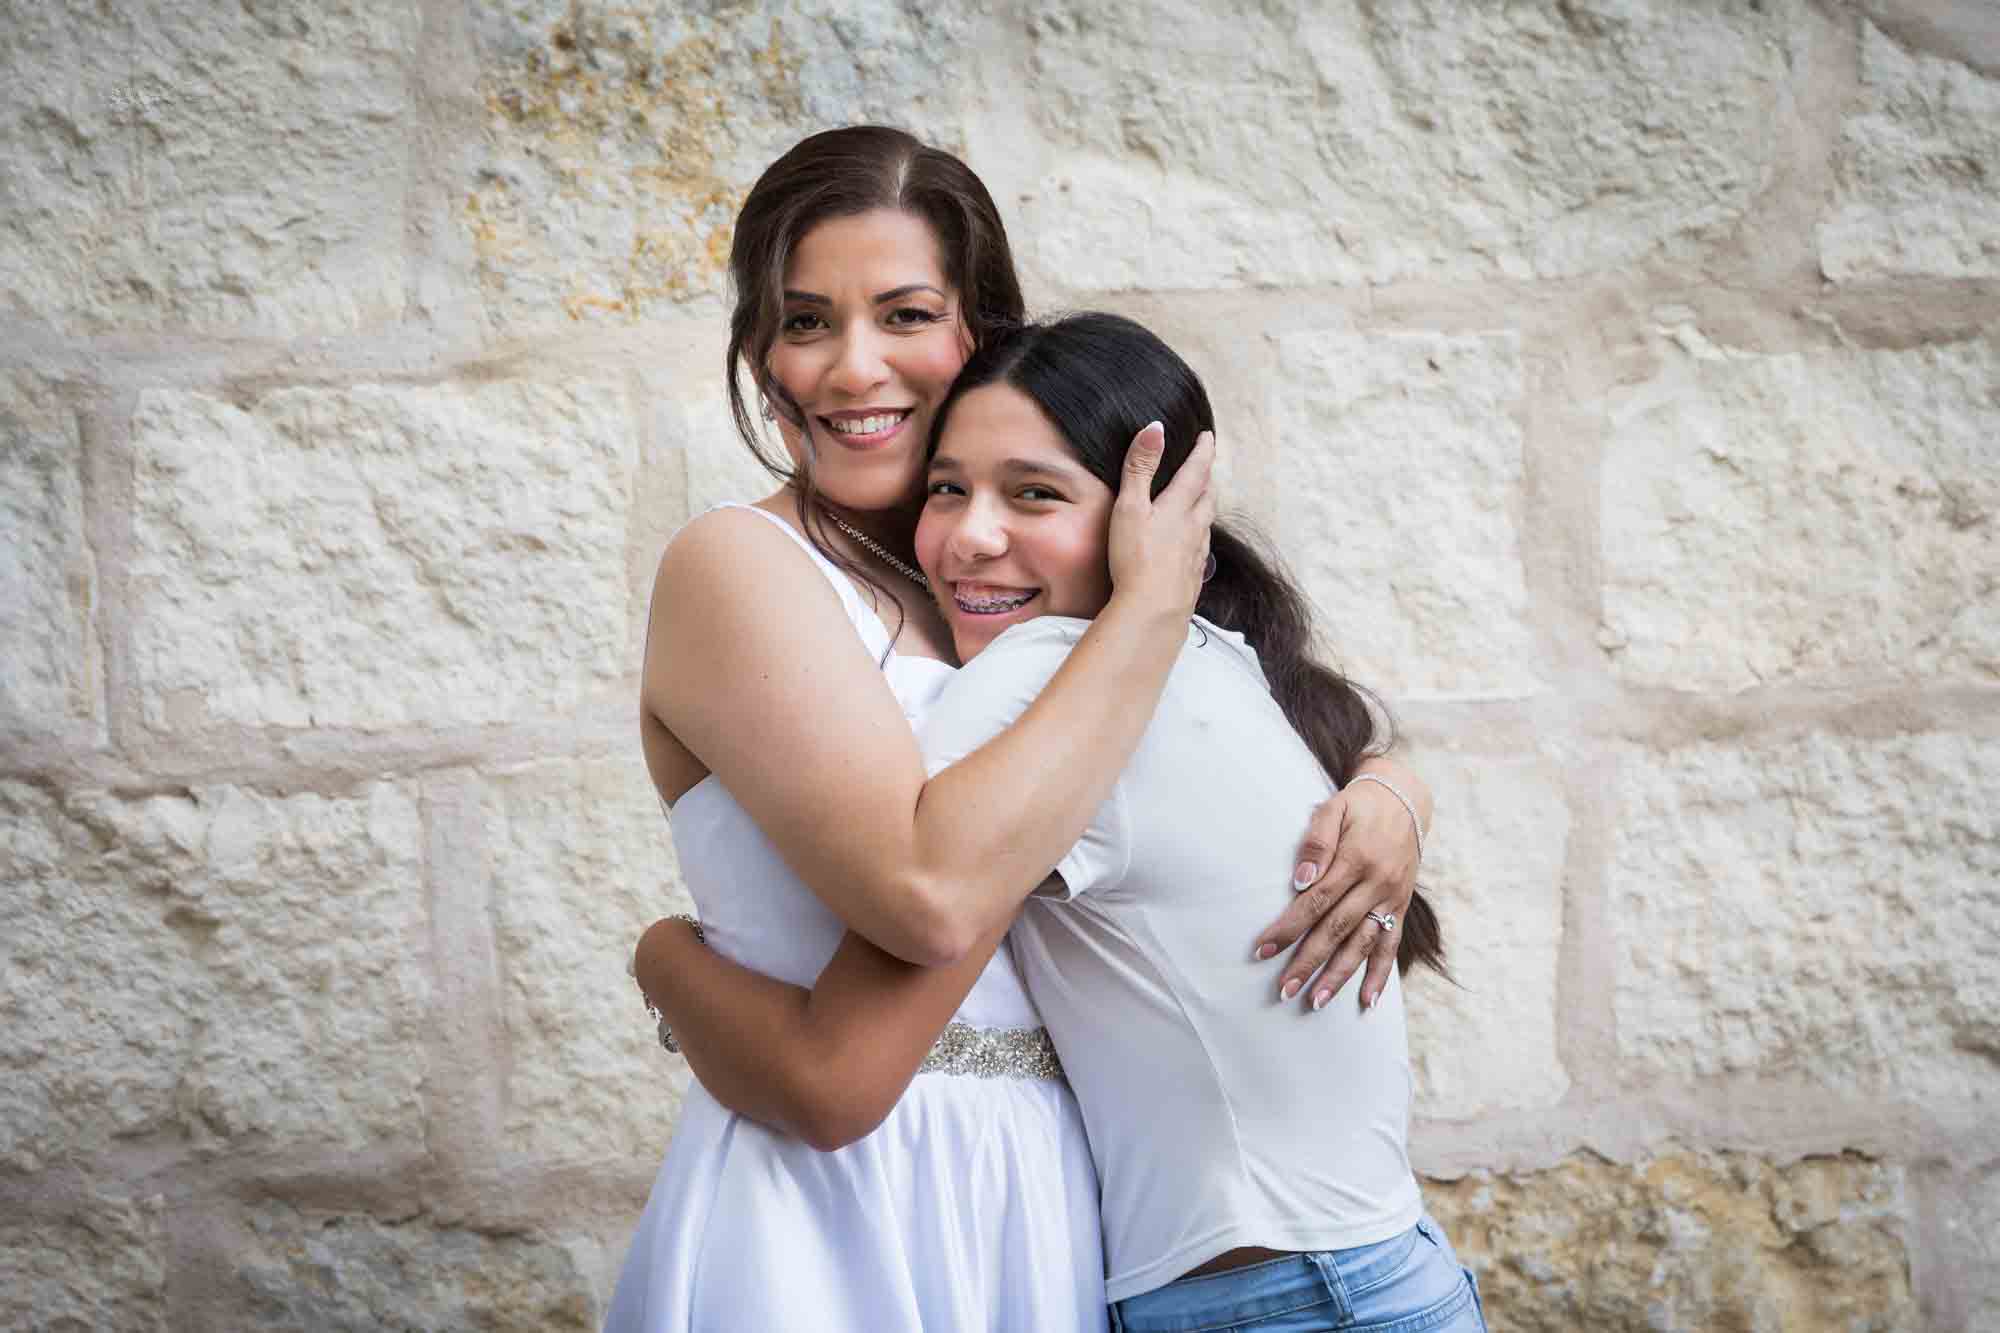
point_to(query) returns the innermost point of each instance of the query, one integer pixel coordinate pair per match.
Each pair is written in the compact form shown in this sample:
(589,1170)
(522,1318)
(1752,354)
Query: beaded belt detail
(993,1053)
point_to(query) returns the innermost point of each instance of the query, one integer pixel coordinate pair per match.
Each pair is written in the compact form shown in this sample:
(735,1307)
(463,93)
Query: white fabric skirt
(972,1207)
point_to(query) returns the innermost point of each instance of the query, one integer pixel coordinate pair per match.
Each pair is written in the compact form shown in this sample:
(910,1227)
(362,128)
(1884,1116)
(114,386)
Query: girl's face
(1013,526)
(869,341)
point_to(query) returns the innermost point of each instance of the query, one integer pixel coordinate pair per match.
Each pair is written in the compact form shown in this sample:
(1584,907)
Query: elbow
(831,1123)
(939,933)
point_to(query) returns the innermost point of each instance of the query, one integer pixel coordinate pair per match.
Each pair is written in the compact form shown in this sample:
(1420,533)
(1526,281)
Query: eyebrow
(893,294)
(1015,466)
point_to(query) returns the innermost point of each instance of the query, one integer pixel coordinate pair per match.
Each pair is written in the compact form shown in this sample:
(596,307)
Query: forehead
(997,421)
(876,250)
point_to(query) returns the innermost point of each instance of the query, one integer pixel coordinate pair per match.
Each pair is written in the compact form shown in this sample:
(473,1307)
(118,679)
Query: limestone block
(210,167)
(379,557)
(1400,504)
(1817,909)
(48,580)
(1687,1241)
(719,465)
(1812,516)
(1493,869)
(619,143)
(344,1271)
(581,862)
(1917,171)
(242,969)
(1982,1230)
(1195,145)
(103,1265)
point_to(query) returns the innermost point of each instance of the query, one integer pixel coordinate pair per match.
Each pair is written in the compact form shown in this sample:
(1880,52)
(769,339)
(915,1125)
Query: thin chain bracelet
(667,1042)
(1409,805)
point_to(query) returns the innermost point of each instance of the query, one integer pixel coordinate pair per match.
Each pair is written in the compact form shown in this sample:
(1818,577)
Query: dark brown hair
(841,173)
(1099,379)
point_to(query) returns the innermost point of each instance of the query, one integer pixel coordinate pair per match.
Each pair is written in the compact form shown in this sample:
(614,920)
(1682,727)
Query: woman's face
(868,343)
(1013,525)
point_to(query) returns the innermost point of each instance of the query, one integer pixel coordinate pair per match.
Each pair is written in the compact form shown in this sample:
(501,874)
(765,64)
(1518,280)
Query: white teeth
(867,425)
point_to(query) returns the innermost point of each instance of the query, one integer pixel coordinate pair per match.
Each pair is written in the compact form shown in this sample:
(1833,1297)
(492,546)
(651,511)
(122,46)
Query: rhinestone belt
(993,1053)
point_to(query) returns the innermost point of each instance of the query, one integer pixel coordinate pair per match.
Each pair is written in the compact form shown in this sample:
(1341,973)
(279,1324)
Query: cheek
(932,532)
(934,365)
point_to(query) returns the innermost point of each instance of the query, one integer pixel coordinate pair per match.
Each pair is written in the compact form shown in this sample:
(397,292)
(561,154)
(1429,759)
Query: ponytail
(1250,594)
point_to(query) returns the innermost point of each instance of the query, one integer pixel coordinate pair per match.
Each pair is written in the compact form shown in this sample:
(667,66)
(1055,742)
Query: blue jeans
(1405,1284)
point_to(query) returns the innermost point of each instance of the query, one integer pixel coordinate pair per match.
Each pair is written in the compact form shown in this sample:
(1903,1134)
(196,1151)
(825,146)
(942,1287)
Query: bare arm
(824,1065)
(776,696)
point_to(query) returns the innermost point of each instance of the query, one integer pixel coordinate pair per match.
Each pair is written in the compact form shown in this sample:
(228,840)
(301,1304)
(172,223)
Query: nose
(859,366)
(980,533)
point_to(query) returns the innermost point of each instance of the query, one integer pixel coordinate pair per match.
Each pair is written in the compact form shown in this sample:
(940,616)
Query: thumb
(1142,460)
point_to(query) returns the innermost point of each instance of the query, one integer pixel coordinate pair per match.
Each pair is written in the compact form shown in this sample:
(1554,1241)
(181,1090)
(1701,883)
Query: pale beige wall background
(1623,377)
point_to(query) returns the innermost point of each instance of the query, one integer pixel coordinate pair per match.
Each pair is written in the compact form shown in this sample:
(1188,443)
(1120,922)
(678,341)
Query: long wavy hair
(1099,379)
(842,173)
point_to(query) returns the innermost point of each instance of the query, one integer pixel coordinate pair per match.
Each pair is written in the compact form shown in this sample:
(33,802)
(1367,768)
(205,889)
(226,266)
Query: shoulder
(1031,648)
(1210,642)
(732,575)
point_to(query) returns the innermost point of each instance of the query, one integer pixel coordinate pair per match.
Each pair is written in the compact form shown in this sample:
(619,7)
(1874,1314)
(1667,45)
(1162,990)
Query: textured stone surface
(1807,516)
(103,1266)
(1982,1228)
(48,581)
(243,969)
(222,168)
(619,142)
(381,556)
(1831,918)
(581,862)
(1918,171)
(1688,1241)
(1389,435)
(1196,145)
(1493,869)
(345,1271)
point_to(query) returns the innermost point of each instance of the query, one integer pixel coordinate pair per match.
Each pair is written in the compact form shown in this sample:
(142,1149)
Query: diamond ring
(1386,920)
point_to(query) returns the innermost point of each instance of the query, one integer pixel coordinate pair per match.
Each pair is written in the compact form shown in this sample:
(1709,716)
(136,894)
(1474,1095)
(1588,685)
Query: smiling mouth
(982,600)
(871,427)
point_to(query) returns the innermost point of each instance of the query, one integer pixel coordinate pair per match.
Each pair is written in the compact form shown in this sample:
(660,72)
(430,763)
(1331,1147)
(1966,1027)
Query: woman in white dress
(867,268)
(1254,1174)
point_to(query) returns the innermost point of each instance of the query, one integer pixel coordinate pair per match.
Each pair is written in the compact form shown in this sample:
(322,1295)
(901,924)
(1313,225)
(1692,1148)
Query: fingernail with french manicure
(1368,1000)
(1266,951)
(1303,877)
(1319,1000)
(1291,988)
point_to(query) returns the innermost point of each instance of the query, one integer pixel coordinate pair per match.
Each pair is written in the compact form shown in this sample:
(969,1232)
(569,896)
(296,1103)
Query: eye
(1041,493)
(913,316)
(945,488)
(804,321)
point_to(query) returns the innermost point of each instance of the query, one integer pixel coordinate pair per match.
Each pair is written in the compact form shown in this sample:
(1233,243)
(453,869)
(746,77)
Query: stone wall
(1623,377)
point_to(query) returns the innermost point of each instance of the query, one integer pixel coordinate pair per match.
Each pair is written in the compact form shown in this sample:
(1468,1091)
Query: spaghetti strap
(867,623)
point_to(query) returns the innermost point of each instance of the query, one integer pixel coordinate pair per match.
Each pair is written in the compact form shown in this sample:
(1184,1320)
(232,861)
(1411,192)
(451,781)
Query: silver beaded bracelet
(1408,804)
(667,1042)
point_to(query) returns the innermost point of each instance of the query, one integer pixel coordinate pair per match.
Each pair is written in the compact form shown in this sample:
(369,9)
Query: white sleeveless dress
(972,1207)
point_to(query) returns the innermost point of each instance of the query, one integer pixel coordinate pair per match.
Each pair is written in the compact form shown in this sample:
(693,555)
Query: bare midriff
(1240,1257)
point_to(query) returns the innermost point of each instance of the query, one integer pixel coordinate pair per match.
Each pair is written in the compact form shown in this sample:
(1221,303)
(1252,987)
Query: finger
(1381,962)
(1190,489)
(1344,909)
(1142,463)
(1355,949)
(1319,885)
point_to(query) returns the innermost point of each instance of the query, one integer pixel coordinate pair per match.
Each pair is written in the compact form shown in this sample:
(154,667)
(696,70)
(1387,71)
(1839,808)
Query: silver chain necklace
(877,550)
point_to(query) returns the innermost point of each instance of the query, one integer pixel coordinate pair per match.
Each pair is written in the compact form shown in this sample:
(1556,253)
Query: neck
(894,528)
